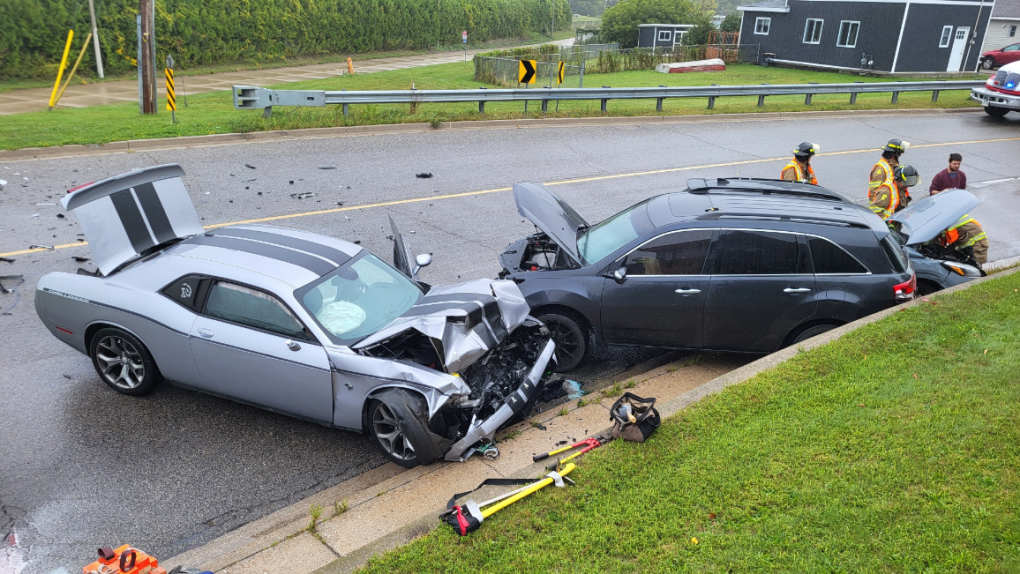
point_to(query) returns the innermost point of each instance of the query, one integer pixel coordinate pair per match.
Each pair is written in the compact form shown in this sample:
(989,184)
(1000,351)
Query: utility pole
(147,56)
(95,40)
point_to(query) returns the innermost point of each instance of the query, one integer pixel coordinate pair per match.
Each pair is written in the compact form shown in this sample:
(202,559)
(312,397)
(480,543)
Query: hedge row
(198,32)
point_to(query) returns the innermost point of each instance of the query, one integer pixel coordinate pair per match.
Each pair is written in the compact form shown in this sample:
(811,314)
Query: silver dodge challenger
(294,322)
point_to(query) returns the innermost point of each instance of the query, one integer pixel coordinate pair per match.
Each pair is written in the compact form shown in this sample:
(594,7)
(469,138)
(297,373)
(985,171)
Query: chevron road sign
(526,72)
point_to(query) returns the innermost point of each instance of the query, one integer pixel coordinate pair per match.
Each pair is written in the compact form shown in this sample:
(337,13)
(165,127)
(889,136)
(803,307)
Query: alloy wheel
(567,345)
(120,363)
(387,430)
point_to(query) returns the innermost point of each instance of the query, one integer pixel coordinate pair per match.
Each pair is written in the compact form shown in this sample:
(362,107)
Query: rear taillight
(905,291)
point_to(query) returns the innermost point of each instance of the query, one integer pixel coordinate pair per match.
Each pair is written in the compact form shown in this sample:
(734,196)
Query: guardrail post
(895,97)
(481,103)
(935,96)
(807,99)
(545,105)
(347,111)
(268,112)
(853,97)
(658,104)
(711,102)
(604,102)
(761,100)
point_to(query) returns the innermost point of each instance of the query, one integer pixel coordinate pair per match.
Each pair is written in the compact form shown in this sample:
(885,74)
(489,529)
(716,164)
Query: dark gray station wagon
(727,264)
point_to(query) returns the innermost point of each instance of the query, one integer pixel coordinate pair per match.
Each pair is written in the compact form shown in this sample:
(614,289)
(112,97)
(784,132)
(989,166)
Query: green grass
(87,76)
(213,113)
(893,449)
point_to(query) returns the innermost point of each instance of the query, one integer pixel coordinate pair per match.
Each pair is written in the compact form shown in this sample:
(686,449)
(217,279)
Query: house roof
(1006,9)
(765,6)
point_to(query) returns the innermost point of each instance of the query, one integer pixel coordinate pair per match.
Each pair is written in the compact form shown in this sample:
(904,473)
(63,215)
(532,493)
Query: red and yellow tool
(588,444)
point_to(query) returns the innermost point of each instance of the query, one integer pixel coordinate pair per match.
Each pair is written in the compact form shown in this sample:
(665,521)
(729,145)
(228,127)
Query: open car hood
(463,321)
(925,219)
(550,214)
(126,215)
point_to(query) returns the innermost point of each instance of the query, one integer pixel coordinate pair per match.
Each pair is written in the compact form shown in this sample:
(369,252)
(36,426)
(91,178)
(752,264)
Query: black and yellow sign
(559,72)
(526,72)
(171,96)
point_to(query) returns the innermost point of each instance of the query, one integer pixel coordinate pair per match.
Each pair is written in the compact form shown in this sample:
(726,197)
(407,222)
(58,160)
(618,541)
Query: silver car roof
(288,255)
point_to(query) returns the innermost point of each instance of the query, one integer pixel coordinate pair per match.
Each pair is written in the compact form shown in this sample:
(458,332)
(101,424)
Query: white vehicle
(1001,93)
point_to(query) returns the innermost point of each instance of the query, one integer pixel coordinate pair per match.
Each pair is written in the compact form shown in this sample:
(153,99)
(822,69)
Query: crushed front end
(480,332)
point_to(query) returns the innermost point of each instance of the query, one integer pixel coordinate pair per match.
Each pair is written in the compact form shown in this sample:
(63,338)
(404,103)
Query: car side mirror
(423,260)
(620,275)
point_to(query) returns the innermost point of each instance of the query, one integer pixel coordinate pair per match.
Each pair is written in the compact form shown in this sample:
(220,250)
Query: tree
(588,7)
(620,22)
(698,35)
(731,23)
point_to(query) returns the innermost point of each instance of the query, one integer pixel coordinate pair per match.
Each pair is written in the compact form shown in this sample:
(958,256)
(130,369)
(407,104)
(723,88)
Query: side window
(830,258)
(188,291)
(947,35)
(680,253)
(747,252)
(762,26)
(895,253)
(252,308)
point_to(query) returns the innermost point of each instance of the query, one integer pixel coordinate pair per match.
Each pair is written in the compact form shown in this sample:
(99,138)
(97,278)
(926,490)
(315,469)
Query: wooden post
(146,62)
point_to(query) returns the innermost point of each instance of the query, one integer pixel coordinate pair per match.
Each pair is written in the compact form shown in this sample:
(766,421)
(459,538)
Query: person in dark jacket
(949,178)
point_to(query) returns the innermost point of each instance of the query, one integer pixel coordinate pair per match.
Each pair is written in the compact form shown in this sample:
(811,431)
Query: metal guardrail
(253,98)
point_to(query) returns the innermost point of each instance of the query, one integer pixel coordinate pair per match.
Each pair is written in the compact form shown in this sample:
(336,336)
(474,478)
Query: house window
(848,34)
(1012,31)
(665,36)
(813,31)
(947,35)
(762,25)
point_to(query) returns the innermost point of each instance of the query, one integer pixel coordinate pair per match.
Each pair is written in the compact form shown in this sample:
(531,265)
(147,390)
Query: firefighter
(799,169)
(887,198)
(968,237)
(883,170)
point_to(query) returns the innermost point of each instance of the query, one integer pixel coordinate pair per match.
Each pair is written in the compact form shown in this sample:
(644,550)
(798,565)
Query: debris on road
(328,167)
(7,290)
(79,258)
(249,166)
(47,247)
(60,216)
(6,260)
(424,175)
(248,180)
(304,195)
(3,182)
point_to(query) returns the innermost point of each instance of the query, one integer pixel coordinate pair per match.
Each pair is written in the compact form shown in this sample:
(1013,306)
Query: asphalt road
(84,467)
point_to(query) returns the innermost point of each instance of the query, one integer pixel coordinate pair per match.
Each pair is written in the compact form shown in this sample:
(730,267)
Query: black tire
(137,374)
(571,340)
(397,422)
(996,112)
(811,332)
(987,63)
(925,288)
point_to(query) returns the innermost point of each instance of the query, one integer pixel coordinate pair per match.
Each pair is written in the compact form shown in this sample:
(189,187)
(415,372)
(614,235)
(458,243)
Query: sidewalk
(83,96)
(390,506)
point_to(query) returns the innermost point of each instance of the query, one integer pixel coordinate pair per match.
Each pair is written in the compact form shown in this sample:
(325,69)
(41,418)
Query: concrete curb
(386,129)
(426,524)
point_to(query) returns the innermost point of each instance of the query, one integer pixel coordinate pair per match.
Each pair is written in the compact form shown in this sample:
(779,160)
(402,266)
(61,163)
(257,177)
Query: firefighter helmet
(896,146)
(807,149)
(906,176)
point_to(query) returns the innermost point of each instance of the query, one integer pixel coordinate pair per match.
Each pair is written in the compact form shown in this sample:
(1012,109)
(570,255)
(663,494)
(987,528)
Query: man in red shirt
(951,177)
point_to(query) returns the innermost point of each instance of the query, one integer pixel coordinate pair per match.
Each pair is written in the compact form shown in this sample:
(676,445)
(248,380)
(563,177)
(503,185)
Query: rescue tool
(466,518)
(588,444)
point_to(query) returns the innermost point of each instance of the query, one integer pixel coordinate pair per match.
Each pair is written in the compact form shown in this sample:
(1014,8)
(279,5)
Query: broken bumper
(987,97)
(481,430)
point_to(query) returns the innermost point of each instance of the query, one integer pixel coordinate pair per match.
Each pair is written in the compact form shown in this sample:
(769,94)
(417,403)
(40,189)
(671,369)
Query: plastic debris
(8,278)
(60,216)
(304,195)
(3,182)
(80,259)
(6,259)
(328,167)
(248,180)
(424,175)
(249,166)
(35,246)
(574,390)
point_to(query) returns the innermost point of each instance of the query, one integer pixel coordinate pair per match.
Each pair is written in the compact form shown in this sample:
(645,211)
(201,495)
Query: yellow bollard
(63,63)
(350,66)
(74,69)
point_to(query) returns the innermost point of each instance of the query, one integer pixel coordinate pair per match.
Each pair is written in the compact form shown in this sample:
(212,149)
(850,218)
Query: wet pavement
(84,467)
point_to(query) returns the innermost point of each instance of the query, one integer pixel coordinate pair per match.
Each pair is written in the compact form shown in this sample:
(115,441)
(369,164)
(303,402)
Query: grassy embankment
(213,113)
(893,449)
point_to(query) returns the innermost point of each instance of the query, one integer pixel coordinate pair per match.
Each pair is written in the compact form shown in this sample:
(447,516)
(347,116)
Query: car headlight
(962,269)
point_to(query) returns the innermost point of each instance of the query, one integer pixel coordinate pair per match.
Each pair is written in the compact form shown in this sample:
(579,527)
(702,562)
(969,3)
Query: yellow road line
(499,189)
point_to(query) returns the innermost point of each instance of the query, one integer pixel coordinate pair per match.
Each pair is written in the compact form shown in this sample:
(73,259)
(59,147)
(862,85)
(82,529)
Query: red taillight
(905,291)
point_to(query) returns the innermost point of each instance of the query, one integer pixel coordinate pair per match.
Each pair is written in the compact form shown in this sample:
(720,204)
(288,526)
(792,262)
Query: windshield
(613,233)
(359,298)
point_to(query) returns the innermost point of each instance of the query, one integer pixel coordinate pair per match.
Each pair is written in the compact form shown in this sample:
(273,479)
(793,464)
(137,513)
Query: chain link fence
(505,72)
(648,58)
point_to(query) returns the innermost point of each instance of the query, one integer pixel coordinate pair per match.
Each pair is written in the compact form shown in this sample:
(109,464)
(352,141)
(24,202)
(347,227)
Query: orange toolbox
(123,560)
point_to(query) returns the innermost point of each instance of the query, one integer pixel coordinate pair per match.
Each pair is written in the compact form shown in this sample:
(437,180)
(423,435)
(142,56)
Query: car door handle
(207,333)
(687,291)
(796,290)
(293,346)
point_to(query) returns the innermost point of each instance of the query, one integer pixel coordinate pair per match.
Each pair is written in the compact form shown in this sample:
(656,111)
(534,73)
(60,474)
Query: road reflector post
(171,90)
(60,71)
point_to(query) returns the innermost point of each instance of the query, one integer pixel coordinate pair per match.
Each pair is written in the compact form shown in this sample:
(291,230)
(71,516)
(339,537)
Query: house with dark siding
(882,35)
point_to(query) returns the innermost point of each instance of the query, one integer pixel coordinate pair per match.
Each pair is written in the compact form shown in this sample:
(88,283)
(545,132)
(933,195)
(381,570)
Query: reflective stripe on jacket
(884,197)
(964,233)
(798,173)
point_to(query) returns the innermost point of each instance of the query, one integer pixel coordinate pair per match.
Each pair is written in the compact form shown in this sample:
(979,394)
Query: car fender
(580,295)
